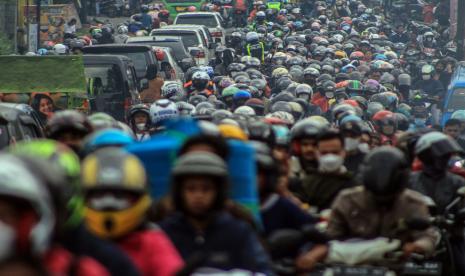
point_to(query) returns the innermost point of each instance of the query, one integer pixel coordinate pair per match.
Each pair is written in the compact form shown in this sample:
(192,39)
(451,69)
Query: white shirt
(70,29)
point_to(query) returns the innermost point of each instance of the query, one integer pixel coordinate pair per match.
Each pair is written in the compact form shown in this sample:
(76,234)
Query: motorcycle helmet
(67,121)
(385,173)
(107,212)
(252,37)
(162,110)
(185,109)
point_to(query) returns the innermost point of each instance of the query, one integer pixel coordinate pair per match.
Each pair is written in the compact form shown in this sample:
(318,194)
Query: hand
(410,248)
(307,261)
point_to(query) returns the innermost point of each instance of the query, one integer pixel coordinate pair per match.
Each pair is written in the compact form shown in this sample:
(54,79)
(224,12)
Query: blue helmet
(107,138)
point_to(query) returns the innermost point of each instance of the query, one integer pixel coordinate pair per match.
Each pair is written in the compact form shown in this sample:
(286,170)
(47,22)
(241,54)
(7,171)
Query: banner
(29,74)
(52,20)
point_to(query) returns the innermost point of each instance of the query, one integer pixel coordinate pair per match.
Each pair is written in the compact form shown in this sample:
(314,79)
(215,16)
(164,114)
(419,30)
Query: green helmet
(229,91)
(65,161)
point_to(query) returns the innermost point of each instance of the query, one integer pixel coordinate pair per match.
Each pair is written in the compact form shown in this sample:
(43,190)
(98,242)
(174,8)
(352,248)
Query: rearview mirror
(152,71)
(461,192)
(143,84)
(194,51)
(186,64)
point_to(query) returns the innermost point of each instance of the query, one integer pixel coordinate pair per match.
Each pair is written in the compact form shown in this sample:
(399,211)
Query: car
(212,20)
(455,96)
(181,55)
(111,84)
(18,122)
(169,68)
(142,56)
(193,39)
(203,30)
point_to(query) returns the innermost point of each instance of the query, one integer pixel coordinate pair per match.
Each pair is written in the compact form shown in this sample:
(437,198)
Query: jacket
(278,213)
(226,243)
(81,242)
(153,92)
(441,190)
(320,189)
(152,252)
(355,214)
(60,262)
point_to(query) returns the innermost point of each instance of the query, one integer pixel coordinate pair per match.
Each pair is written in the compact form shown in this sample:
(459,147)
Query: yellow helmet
(340,54)
(232,132)
(279,72)
(104,174)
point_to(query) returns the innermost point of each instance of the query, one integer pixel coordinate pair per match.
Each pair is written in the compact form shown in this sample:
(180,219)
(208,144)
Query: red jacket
(61,262)
(152,252)
(321,101)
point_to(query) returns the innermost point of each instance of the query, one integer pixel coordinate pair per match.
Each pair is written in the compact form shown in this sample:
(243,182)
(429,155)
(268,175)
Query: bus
(178,6)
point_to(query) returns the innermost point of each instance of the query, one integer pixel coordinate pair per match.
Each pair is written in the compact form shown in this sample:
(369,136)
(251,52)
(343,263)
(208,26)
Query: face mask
(364,147)
(7,240)
(330,163)
(329,95)
(426,77)
(387,130)
(351,144)
(304,96)
(140,126)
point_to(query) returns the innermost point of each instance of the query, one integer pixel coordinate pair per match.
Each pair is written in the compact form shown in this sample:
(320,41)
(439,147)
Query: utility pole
(38,3)
(460,33)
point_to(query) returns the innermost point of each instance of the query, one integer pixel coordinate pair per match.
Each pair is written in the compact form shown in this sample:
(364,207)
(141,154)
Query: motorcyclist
(351,130)
(321,187)
(29,220)
(70,128)
(68,201)
(254,47)
(201,229)
(434,150)
(384,199)
(303,140)
(122,34)
(116,209)
(139,121)
(146,19)
(277,212)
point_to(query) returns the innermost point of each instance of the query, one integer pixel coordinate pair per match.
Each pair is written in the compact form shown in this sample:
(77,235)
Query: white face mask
(140,126)
(426,77)
(330,162)
(364,147)
(329,95)
(351,144)
(7,240)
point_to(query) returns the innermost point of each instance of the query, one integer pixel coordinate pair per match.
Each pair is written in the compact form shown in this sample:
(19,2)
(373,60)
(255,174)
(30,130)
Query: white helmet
(185,109)
(245,110)
(19,182)
(122,29)
(172,89)
(31,54)
(286,116)
(200,75)
(163,109)
(59,49)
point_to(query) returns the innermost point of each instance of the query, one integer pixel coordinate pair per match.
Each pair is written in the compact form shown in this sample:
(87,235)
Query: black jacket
(81,242)
(442,191)
(226,244)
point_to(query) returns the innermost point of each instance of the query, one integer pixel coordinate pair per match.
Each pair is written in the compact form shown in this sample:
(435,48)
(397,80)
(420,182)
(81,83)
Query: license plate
(181,9)
(424,268)
(357,271)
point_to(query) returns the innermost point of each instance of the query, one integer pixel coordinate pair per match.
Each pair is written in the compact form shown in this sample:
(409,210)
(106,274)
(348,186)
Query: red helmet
(353,103)
(164,13)
(191,9)
(385,122)
(159,54)
(357,55)
(382,115)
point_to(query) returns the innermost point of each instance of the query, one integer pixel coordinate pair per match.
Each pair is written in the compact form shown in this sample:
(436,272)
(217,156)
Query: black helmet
(281,106)
(262,132)
(67,120)
(307,128)
(385,171)
(402,121)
